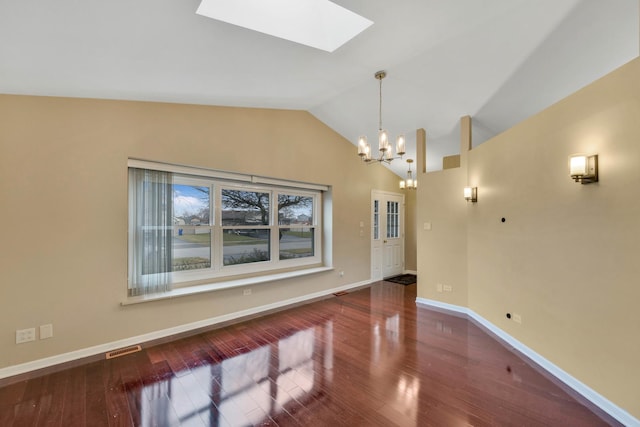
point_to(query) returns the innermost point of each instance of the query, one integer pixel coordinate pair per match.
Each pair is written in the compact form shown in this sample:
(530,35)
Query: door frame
(384,195)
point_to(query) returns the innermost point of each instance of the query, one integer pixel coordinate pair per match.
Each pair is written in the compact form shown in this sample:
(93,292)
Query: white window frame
(216,181)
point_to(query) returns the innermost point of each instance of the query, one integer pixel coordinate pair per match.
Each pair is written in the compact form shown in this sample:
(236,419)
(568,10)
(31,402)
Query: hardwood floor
(368,358)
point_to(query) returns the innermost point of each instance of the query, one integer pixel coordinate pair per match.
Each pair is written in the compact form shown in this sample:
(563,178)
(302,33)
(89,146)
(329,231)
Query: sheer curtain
(151,202)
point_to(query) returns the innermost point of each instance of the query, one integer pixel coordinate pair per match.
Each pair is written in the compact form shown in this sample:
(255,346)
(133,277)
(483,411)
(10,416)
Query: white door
(387,234)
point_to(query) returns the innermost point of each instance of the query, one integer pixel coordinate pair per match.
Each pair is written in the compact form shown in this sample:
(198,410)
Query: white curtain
(150,202)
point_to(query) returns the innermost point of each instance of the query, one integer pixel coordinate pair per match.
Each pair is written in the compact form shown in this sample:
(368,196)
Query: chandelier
(386,152)
(409,183)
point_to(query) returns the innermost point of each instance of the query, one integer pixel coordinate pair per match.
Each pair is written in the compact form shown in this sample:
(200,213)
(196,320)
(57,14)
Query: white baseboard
(594,397)
(151,336)
(410,272)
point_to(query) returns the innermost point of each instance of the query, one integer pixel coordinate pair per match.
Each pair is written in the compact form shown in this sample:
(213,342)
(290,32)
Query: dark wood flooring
(368,358)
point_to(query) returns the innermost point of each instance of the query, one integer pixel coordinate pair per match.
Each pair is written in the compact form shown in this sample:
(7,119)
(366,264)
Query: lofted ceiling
(498,61)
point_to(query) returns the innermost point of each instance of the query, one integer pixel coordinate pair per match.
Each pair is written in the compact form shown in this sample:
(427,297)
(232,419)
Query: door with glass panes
(387,234)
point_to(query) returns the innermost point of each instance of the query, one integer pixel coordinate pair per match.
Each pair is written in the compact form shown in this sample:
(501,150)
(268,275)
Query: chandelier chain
(380,107)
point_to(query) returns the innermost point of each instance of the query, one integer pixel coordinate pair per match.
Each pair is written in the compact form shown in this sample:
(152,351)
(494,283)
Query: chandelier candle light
(386,152)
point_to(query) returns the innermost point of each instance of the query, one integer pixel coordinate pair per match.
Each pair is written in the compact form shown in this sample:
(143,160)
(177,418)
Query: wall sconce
(583,168)
(471,194)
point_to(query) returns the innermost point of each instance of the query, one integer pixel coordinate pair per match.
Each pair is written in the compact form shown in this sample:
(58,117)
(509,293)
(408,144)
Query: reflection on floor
(368,358)
(245,389)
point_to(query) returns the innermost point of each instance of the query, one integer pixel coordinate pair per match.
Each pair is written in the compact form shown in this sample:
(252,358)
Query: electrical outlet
(517,318)
(25,335)
(447,288)
(342,274)
(439,287)
(246,292)
(46,331)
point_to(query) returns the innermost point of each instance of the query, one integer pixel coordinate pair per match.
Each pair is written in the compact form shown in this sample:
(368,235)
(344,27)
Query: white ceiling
(498,61)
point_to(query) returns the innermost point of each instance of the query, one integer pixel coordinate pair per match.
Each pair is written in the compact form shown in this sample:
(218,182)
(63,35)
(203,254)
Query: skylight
(316,23)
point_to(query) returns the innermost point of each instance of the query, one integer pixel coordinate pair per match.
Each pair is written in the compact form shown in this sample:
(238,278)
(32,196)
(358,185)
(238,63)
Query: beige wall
(566,259)
(442,250)
(63,192)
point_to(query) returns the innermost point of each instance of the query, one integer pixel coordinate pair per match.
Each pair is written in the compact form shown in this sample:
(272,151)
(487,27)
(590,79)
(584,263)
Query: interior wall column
(465,140)
(421,151)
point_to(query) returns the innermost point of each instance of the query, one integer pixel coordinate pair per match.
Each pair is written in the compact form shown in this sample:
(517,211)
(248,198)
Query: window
(246,227)
(187,228)
(192,230)
(393,220)
(376,219)
(296,232)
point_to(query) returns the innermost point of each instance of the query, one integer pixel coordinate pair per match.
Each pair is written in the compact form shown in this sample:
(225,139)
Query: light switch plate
(46,331)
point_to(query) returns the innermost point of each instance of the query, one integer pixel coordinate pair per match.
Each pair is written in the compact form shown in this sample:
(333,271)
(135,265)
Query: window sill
(198,289)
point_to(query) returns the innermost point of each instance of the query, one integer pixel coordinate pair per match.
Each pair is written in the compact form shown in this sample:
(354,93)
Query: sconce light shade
(583,168)
(471,194)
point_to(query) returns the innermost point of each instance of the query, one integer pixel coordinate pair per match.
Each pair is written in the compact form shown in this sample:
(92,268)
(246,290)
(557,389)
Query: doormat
(403,279)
